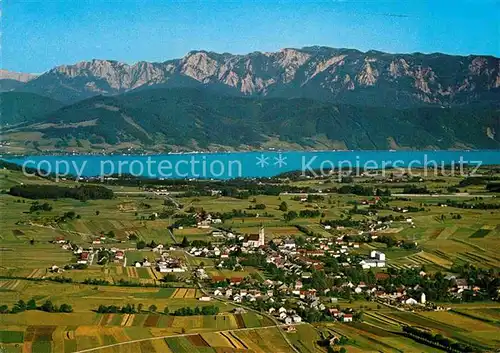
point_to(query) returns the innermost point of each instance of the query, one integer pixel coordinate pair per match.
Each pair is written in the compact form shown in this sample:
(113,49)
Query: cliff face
(335,75)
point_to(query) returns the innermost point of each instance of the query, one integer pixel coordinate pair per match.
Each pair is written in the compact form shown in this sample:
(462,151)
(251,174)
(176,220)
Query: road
(150,193)
(458,194)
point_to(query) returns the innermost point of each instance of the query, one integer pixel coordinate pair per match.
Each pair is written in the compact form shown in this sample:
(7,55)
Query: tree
(97,212)
(169,278)
(4,309)
(132,237)
(290,216)
(283,207)
(153,244)
(141,244)
(185,242)
(139,307)
(66,308)
(20,305)
(48,307)
(153,308)
(343,350)
(31,304)
(166,311)
(32,241)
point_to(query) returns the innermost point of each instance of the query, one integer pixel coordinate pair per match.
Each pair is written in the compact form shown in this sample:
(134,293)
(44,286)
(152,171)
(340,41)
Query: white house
(410,301)
(289,244)
(378,255)
(347,318)
(158,248)
(205,299)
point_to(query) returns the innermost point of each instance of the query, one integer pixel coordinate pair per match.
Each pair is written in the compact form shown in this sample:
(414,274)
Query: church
(255,240)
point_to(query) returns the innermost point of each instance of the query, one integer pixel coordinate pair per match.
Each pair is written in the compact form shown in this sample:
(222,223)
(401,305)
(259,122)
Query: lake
(252,164)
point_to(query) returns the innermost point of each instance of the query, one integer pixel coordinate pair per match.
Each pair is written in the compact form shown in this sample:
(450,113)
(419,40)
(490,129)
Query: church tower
(262,240)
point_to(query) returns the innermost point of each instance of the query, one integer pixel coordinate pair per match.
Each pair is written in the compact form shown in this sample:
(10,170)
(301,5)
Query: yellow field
(436,259)
(131,272)
(188,322)
(179,293)
(10,284)
(191,293)
(215,339)
(155,275)
(160,346)
(460,321)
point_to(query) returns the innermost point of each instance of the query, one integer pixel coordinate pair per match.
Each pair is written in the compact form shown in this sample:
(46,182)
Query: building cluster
(168,264)
(163,262)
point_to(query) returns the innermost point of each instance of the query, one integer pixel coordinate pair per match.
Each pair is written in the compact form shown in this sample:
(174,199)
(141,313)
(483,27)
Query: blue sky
(38,35)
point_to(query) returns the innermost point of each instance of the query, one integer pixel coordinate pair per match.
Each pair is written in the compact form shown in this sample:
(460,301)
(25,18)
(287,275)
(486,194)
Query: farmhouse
(410,301)
(158,248)
(217,234)
(235,280)
(84,258)
(377,259)
(347,318)
(289,244)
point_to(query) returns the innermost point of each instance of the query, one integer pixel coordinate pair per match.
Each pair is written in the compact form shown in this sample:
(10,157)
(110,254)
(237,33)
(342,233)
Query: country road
(460,194)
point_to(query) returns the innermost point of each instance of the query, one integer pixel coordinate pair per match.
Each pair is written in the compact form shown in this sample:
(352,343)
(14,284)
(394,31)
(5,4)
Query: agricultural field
(465,328)
(368,337)
(32,335)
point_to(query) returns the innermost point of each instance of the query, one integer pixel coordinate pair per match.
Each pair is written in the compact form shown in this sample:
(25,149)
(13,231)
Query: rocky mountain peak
(339,75)
(16,76)
(199,65)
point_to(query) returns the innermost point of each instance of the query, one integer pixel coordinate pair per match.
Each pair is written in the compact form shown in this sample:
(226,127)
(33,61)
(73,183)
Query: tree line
(84,192)
(31,304)
(132,309)
(436,340)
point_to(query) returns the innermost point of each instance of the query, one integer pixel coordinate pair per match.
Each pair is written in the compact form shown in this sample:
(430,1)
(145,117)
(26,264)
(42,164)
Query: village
(292,294)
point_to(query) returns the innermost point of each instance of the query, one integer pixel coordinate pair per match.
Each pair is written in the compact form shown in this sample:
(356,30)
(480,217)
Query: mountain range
(314,97)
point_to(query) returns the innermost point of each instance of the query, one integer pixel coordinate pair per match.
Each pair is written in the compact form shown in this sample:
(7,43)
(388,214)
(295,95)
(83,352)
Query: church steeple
(262,240)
